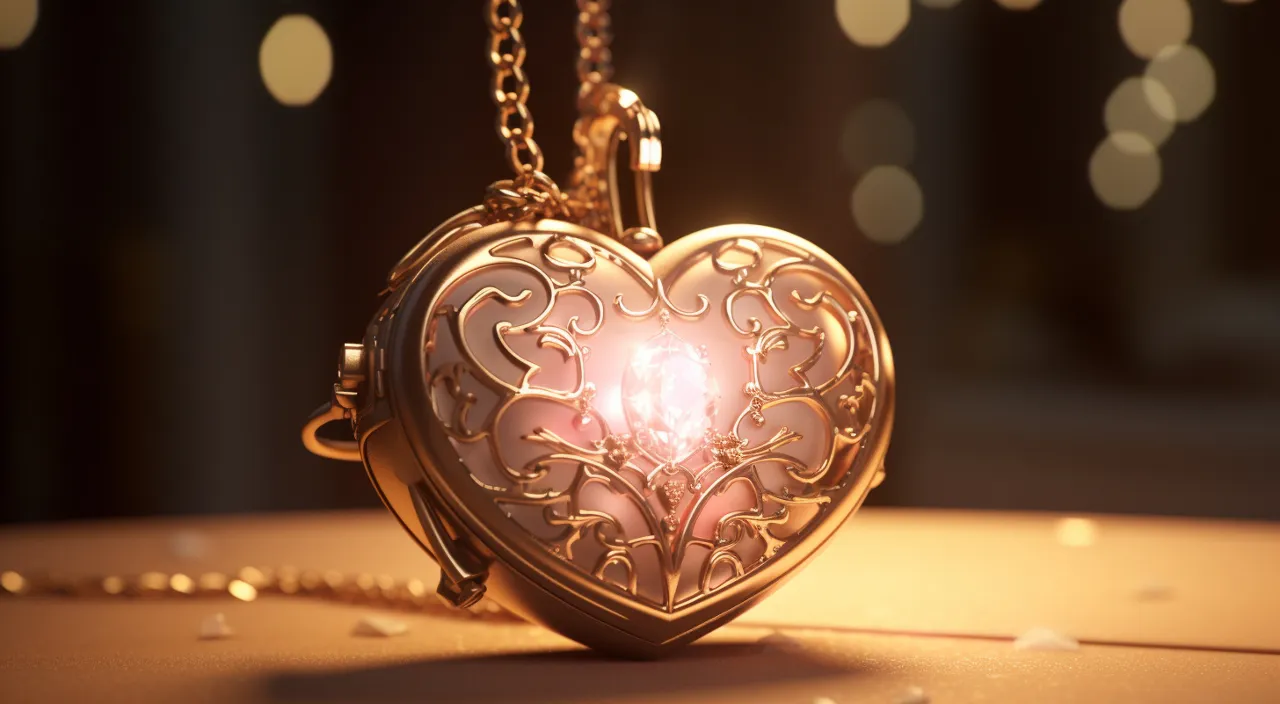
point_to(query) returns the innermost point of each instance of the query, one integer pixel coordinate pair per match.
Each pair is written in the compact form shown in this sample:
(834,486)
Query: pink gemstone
(668,390)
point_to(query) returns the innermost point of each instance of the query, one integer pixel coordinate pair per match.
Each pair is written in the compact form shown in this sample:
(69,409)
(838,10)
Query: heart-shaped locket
(629,450)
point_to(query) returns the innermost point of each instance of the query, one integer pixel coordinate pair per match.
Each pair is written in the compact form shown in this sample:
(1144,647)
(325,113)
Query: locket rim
(481,520)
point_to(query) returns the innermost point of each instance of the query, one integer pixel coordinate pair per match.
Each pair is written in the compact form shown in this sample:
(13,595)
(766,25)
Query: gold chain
(595,61)
(532,192)
(593,28)
(511,87)
(247,585)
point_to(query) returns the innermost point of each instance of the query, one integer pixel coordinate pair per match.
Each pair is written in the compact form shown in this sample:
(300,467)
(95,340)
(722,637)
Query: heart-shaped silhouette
(651,445)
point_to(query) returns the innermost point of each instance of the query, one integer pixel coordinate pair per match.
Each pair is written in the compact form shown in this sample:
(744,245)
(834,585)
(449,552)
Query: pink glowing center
(669,396)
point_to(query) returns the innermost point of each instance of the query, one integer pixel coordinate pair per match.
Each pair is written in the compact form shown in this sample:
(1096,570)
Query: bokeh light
(296,60)
(1141,105)
(1017,4)
(878,132)
(873,23)
(1125,170)
(1075,532)
(1147,26)
(1188,75)
(17,21)
(887,204)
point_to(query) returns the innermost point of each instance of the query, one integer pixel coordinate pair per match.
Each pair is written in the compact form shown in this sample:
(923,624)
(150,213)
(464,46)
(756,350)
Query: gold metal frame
(410,458)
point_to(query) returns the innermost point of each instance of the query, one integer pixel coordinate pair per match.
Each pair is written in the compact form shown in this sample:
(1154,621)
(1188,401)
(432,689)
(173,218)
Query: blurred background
(1065,212)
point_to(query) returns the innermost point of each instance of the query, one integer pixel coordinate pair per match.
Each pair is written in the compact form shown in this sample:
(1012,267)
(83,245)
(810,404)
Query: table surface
(1166,610)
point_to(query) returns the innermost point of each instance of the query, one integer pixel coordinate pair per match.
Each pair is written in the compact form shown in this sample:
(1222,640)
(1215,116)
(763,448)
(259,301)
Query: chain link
(247,585)
(593,28)
(532,193)
(510,85)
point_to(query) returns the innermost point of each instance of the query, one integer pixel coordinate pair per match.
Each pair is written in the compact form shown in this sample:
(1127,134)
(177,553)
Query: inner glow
(669,396)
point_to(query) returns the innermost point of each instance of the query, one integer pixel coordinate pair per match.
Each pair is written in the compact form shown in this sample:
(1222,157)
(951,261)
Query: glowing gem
(669,396)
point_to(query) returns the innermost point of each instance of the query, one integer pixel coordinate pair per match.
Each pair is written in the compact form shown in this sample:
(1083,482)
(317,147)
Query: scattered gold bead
(310,580)
(242,590)
(286,579)
(334,579)
(253,577)
(152,582)
(12,582)
(366,584)
(182,584)
(213,582)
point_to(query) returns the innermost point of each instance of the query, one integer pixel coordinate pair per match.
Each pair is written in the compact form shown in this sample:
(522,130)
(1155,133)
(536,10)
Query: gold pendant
(627,442)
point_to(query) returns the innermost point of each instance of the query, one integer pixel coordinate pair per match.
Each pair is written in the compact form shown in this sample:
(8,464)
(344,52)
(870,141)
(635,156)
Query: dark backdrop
(183,256)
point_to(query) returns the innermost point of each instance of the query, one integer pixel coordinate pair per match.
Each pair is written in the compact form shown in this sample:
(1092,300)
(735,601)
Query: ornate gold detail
(725,449)
(755,405)
(547,434)
(672,493)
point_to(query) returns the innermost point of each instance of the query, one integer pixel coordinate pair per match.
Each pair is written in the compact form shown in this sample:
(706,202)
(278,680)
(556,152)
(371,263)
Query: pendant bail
(610,114)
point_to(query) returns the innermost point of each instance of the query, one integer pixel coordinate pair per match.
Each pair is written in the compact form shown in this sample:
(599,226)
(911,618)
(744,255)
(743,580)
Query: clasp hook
(609,114)
(352,374)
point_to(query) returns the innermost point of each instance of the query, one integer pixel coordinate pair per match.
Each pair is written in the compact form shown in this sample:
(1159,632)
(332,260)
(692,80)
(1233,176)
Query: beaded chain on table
(248,584)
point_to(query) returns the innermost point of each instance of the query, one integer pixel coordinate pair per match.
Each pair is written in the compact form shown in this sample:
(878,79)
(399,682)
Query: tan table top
(1167,611)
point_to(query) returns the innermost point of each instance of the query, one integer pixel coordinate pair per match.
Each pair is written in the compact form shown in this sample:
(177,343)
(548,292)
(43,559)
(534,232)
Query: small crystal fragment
(1045,639)
(214,627)
(913,695)
(380,626)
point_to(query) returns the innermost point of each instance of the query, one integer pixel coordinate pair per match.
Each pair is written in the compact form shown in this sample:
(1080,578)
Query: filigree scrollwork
(548,432)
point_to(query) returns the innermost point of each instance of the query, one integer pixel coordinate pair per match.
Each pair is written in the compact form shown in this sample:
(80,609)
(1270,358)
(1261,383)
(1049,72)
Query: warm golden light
(182,584)
(877,133)
(242,590)
(887,204)
(1148,26)
(1076,532)
(153,581)
(1188,75)
(1141,105)
(17,21)
(1125,170)
(296,60)
(12,582)
(873,23)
